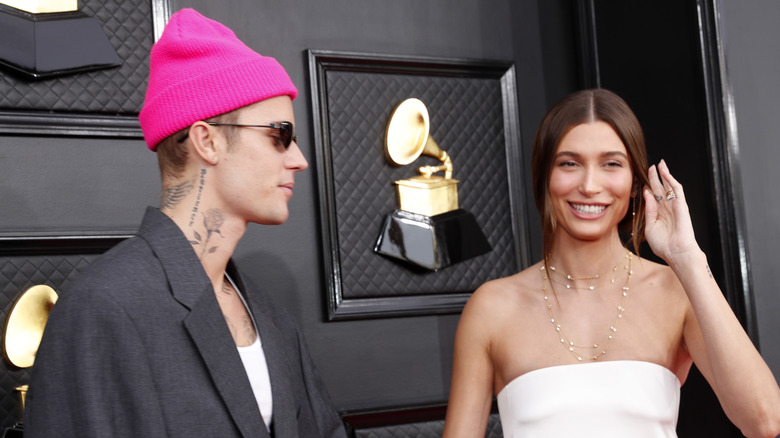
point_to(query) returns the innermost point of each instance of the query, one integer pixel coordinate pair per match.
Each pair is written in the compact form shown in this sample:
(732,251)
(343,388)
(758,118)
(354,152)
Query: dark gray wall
(398,361)
(56,185)
(750,38)
(67,185)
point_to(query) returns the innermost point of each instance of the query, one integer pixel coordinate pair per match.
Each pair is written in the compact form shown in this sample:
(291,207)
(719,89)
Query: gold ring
(670,195)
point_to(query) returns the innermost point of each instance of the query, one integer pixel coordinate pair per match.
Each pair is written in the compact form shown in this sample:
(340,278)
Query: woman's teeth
(589,209)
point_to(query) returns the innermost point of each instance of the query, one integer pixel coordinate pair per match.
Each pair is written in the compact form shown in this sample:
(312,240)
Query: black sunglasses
(285,131)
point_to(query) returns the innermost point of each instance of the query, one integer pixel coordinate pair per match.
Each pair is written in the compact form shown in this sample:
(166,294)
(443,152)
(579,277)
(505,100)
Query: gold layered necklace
(594,277)
(600,348)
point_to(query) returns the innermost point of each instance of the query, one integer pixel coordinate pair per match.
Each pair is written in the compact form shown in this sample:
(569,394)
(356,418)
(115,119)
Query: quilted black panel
(17,274)
(494,429)
(128,25)
(411,430)
(423,429)
(467,121)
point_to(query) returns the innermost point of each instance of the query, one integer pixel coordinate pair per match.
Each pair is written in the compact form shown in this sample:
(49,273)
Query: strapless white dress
(597,399)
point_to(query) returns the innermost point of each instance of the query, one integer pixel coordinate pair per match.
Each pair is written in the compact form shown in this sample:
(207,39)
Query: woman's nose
(591,182)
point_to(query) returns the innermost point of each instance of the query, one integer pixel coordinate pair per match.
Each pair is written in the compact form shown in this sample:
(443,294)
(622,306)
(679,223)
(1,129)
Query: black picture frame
(98,123)
(352,95)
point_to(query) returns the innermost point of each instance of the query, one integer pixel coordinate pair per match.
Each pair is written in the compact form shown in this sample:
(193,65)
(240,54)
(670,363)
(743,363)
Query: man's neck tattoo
(212,222)
(195,207)
(174,195)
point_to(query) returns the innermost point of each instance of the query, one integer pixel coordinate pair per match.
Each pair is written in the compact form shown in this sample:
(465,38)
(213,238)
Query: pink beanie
(200,69)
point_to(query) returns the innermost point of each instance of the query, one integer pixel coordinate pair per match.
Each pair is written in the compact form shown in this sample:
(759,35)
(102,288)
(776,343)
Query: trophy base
(15,431)
(431,242)
(53,44)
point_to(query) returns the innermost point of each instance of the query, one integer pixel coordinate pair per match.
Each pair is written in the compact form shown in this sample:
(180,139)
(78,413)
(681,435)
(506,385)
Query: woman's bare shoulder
(504,292)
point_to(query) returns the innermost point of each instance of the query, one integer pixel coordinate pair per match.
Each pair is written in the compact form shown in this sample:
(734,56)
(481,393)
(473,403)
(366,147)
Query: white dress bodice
(598,399)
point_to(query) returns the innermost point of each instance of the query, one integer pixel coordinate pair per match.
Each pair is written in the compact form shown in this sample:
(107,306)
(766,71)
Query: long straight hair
(589,106)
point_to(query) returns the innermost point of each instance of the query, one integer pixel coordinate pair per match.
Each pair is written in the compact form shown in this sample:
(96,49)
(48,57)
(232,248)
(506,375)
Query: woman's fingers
(670,182)
(651,206)
(663,185)
(656,186)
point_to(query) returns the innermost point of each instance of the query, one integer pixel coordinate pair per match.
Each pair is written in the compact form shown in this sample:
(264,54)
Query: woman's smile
(588,209)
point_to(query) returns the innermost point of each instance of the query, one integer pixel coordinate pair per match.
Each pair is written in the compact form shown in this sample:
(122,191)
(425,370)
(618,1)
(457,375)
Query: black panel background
(128,26)
(467,121)
(21,269)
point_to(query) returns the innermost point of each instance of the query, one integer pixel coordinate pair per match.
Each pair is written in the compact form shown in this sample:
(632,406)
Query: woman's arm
(744,384)
(471,391)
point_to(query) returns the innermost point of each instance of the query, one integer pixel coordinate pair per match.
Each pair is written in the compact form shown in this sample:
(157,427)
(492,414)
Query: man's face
(255,178)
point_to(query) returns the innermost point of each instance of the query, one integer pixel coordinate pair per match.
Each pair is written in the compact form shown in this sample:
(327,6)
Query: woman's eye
(567,163)
(614,164)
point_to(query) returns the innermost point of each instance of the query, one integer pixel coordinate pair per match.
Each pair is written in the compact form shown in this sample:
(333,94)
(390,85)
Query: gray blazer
(137,346)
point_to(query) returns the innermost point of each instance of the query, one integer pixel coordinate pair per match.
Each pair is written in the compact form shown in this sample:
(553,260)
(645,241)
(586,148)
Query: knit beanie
(200,69)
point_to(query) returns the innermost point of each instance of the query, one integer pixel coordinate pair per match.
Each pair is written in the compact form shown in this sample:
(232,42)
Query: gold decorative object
(22,390)
(24,330)
(407,138)
(428,229)
(43,6)
(25,325)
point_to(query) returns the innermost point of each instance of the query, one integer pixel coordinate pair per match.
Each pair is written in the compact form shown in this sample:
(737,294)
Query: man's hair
(172,155)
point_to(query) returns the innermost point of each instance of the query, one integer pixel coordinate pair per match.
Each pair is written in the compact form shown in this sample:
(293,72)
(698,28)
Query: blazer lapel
(285,410)
(285,417)
(207,327)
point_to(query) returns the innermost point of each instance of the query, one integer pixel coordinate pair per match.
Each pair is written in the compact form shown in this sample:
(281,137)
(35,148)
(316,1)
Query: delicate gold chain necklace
(570,286)
(587,277)
(600,348)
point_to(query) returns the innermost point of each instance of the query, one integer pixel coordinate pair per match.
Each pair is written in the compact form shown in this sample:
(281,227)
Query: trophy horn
(24,329)
(408,137)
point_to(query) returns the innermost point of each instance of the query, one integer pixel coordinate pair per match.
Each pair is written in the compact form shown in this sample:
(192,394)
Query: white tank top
(257,371)
(256,368)
(597,399)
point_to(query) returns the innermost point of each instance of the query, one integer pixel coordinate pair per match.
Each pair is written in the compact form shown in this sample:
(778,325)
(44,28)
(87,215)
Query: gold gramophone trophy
(428,229)
(23,333)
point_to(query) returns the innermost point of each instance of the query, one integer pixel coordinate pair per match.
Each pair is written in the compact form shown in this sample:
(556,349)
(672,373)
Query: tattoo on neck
(197,200)
(249,329)
(708,270)
(227,288)
(212,222)
(245,334)
(173,195)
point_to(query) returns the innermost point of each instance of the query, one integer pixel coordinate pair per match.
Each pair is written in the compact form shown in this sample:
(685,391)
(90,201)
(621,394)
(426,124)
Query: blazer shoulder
(129,266)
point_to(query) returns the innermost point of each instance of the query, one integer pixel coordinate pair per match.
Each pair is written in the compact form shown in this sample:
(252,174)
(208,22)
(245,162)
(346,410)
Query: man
(161,336)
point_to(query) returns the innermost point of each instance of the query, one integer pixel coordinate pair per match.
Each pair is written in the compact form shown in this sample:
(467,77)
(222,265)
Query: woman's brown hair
(589,106)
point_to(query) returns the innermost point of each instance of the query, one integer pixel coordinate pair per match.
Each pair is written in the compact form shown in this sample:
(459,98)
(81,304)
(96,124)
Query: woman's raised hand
(668,227)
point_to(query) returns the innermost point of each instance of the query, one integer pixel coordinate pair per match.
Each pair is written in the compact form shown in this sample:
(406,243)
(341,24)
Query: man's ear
(206,141)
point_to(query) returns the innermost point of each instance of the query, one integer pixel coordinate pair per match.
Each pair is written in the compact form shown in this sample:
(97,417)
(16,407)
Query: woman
(594,340)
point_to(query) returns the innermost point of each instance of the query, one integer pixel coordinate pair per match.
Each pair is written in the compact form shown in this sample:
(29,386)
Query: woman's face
(590,182)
